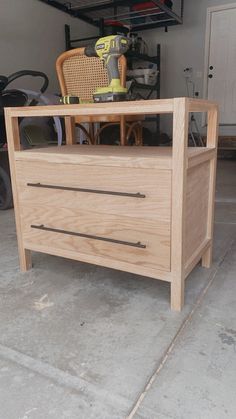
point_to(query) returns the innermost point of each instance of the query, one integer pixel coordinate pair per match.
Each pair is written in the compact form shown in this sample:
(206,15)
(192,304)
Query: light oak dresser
(146,210)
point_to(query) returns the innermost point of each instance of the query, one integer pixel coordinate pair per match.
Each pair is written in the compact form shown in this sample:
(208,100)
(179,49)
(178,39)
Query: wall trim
(222,7)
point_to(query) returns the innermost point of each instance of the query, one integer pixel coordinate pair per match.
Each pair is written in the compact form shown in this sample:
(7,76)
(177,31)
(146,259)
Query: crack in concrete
(178,335)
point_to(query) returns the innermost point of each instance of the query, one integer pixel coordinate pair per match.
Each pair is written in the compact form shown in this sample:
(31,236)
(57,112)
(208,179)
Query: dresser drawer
(129,192)
(142,242)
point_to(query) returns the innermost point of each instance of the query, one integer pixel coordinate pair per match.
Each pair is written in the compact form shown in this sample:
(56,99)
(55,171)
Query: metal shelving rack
(150,90)
(96,11)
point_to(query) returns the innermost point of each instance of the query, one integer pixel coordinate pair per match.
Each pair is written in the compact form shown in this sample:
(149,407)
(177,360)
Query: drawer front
(142,242)
(139,193)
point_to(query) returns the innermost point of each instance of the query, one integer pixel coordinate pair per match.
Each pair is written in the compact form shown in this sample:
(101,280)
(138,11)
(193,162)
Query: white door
(221,76)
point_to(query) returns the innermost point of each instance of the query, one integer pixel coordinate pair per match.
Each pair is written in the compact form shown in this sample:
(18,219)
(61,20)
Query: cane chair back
(80,75)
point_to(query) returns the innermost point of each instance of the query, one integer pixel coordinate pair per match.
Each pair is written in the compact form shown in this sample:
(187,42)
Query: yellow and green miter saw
(109,49)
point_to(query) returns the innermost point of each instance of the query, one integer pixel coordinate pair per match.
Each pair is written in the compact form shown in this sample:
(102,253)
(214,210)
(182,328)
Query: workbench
(145,210)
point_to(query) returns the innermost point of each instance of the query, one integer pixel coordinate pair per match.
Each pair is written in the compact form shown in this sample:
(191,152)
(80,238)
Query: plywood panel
(197,196)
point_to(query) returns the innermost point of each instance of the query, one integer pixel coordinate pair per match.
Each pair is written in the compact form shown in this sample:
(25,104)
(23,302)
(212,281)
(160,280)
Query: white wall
(183,46)
(32,37)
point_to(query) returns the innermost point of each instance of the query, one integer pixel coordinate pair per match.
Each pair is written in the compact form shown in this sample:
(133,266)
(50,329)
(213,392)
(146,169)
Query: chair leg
(91,132)
(140,134)
(136,129)
(125,132)
(122,131)
(99,131)
(90,140)
(70,130)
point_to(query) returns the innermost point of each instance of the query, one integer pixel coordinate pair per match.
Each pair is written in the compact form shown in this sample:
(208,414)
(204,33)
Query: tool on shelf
(70,100)
(109,49)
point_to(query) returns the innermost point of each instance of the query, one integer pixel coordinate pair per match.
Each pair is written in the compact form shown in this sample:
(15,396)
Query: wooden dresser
(139,209)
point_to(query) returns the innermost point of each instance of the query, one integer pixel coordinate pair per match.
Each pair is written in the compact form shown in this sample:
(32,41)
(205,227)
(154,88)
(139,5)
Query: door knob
(210,76)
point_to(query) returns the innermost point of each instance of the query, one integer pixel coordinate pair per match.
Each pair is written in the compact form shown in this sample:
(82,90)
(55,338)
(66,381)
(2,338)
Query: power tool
(109,49)
(70,100)
(73,100)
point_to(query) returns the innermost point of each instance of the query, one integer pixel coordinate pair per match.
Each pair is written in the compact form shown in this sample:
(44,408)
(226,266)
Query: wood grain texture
(196,214)
(13,138)
(147,157)
(70,130)
(201,105)
(154,184)
(175,220)
(100,261)
(196,257)
(201,155)
(140,107)
(111,156)
(212,141)
(179,170)
(155,235)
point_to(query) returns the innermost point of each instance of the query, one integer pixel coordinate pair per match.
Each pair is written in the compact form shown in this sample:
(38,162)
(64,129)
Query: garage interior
(83,340)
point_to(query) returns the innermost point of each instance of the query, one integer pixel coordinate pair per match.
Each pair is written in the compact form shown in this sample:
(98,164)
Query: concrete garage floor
(82,342)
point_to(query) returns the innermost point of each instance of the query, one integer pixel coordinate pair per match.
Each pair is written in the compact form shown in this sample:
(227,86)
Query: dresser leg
(177,294)
(207,258)
(70,130)
(25,260)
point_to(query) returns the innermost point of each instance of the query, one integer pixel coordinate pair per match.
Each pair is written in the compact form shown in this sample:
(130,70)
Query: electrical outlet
(188,72)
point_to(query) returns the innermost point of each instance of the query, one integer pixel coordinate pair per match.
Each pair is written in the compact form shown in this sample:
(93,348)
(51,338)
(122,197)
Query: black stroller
(11,98)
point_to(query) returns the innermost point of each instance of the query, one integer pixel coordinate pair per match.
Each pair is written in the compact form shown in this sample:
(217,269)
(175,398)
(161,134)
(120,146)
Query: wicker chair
(80,75)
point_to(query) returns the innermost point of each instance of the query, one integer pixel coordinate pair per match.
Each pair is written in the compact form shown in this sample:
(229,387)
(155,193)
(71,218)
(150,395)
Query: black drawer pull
(89,236)
(97,191)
